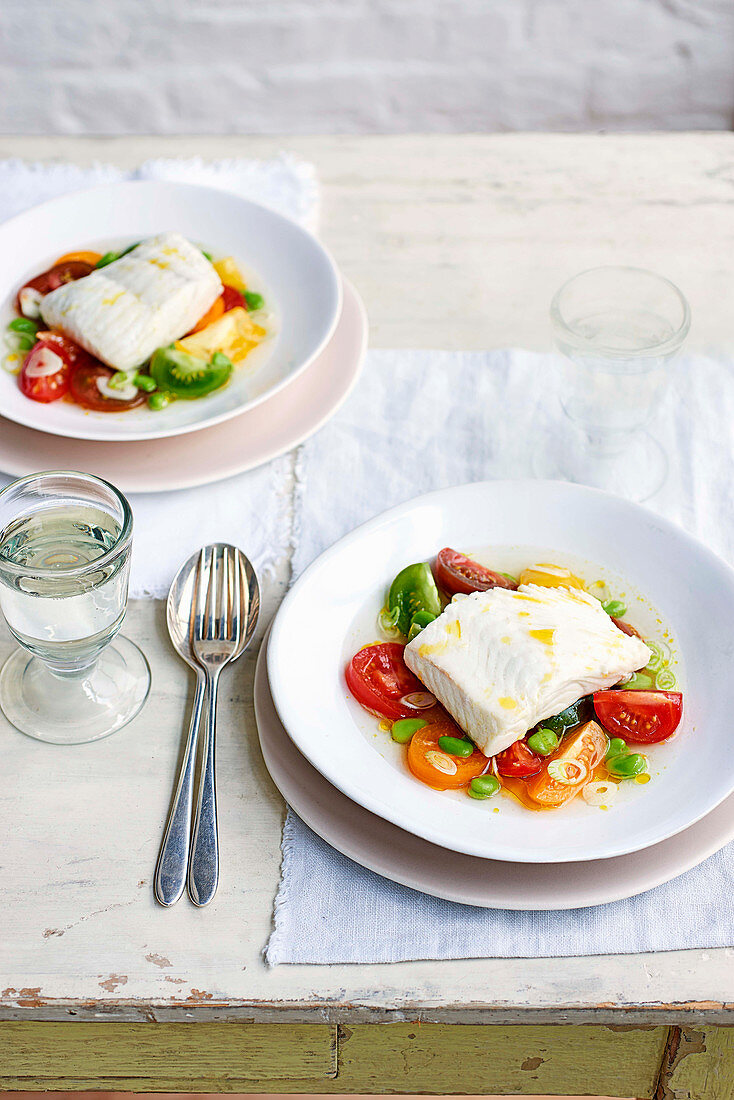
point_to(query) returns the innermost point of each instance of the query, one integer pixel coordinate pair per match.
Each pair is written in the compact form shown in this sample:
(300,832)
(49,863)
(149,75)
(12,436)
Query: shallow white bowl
(326,617)
(299,277)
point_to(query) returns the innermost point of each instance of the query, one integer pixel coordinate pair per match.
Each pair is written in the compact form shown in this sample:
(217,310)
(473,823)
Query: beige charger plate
(210,454)
(402,857)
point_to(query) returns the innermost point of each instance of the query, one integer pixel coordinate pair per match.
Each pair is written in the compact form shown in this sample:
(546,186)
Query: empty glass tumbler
(618,328)
(65,544)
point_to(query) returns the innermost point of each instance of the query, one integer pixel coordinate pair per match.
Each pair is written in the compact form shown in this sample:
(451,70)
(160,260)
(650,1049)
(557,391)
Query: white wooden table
(454,242)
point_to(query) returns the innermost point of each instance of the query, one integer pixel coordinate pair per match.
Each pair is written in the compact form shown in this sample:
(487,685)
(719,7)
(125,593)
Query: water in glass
(64,616)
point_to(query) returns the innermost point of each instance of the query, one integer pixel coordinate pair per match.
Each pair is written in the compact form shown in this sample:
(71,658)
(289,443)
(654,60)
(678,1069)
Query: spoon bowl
(180,605)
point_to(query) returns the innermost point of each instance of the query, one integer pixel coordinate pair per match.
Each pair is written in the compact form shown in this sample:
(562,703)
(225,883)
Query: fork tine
(236,596)
(202,584)
(223,604)
(211,595)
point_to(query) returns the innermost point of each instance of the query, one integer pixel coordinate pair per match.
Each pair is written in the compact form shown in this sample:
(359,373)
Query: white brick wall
(309,66)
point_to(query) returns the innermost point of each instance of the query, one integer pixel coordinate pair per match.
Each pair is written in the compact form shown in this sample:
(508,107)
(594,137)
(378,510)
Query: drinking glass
(618,328)
(65,543)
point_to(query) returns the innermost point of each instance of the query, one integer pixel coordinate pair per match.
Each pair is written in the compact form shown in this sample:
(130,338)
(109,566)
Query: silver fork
(215,638)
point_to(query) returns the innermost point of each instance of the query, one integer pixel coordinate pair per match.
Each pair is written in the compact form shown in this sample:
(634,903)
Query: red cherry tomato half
(232,298)
(85,391)
(46,369)
(382,683)
(626,628)
(56,276)
(642,717)
(518,760)
(457,573)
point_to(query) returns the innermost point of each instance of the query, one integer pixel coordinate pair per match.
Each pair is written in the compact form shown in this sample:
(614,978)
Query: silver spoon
(173,859)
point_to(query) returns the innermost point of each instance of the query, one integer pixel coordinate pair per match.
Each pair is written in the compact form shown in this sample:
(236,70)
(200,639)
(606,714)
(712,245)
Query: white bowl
(666,575)
(298,275)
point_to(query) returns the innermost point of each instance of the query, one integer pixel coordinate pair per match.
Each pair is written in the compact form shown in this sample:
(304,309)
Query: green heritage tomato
(571,716)
(413,593)
(186,375)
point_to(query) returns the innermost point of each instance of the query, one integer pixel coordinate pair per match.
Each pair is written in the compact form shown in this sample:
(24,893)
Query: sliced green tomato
(421,619)
(571,716)
(412,592)
(186,375)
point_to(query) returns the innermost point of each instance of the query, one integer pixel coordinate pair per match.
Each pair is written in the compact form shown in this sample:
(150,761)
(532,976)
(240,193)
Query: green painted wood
(523,1060)
(96,1052)
(303,1058)
(699,1065)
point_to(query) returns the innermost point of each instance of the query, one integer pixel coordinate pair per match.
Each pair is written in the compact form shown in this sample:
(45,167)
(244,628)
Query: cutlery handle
(204,862)
(173,858)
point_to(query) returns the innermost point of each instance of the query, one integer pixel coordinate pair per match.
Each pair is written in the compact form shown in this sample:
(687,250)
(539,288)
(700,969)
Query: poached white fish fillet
(143,301)
(501,661)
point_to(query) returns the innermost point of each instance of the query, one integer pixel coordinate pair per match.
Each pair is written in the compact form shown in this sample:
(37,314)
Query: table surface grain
(454,241)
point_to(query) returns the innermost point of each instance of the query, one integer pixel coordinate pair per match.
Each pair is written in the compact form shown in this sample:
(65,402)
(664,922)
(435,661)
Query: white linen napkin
(420,421)
(252,509)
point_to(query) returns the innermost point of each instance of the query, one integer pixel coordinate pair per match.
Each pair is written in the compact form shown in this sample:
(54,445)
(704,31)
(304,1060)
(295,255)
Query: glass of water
(65,543)
(618,328)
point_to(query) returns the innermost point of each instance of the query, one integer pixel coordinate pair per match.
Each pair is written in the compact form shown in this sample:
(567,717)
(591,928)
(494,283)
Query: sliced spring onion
(19,341)
(120,391)
(600,792)
(13,361)
(442,762)
(659,657)
(615,608)
(665,680)
(421,700)
(388,621)
(44,363)
(568,772)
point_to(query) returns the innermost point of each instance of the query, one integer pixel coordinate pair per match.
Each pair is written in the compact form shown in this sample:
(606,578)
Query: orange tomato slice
(214,312)
(437,768)
(569,770)
(92,258)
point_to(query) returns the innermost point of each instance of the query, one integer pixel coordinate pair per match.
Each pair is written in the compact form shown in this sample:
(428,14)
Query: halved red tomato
(519,761)
(626,628)
(232,298)
(382,683)
(456,572)
(67,272)
(46,369)
(642,717)
(85,391)
(440,770)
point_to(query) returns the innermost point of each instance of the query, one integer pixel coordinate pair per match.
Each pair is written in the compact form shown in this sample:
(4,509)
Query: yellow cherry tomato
(550,576)
(229,273)
(92,258)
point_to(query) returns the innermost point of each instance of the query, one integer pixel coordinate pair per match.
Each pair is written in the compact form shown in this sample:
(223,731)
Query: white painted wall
(309,66)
